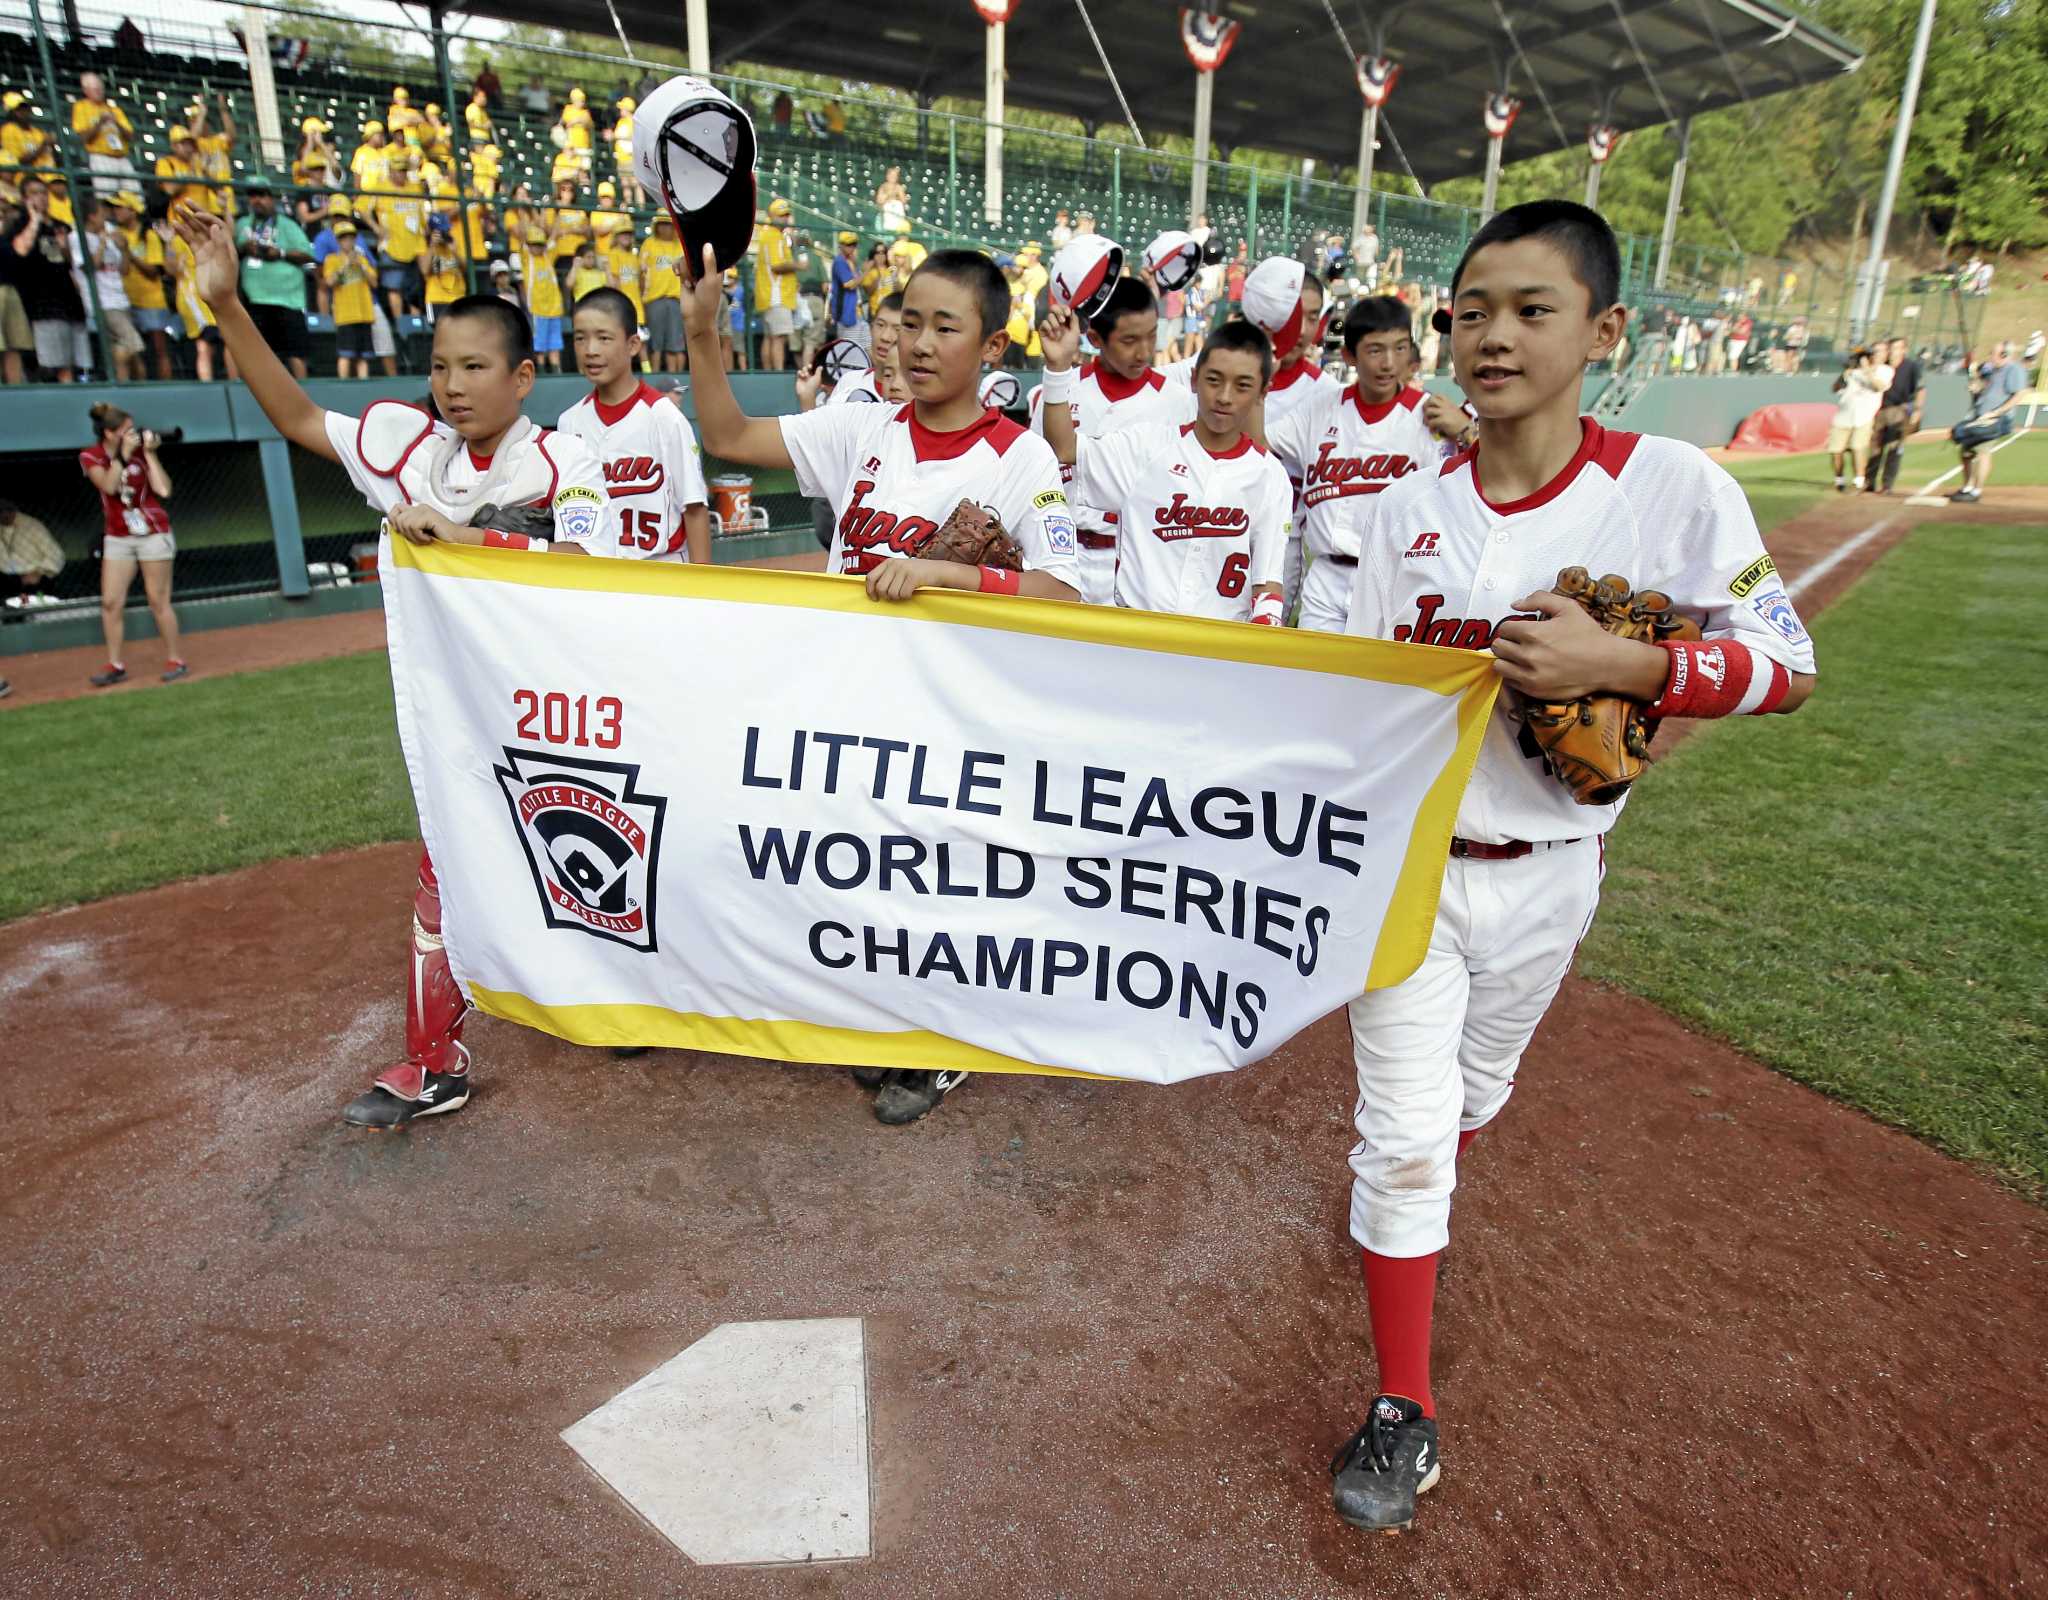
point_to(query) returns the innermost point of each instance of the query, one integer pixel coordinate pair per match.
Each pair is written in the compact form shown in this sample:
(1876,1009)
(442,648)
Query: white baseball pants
(1437,1054)
(1326,595)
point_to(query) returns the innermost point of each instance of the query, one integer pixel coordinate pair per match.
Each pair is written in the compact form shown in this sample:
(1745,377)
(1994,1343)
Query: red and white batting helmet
(1272,299)
(1174,259)
(695,148)
(1084,273)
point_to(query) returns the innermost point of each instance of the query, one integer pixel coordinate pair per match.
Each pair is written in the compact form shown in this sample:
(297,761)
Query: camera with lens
(160,439)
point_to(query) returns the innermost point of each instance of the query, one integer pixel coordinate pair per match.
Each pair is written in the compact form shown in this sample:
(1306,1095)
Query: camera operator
(1897,418)
(1861,387)
(133,486)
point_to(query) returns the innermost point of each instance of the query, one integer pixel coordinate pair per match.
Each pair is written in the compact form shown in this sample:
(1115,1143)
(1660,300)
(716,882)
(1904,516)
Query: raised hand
(218,267)
(703,294)
(1059,336)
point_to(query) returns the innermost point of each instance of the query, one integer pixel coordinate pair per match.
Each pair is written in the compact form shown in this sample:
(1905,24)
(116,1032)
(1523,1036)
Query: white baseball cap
(1000,391)
(695,148)
(843,359)
(1272,299)
(1085,272)
(1174,259)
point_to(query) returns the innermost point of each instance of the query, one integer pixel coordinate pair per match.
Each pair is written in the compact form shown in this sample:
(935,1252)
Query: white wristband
(1060,385)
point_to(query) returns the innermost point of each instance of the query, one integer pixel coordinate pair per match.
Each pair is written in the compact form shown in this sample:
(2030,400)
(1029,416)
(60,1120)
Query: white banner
(754,812)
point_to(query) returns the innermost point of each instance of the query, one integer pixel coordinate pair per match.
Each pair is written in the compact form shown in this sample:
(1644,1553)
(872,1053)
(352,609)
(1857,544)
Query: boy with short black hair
(1201,508)
(1341,447)
(432,474)
(1467,556)
(895,474)
(653,471)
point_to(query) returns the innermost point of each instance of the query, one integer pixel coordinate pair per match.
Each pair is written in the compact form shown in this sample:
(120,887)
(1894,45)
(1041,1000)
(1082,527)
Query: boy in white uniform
(429,477)
(1466,556)
(1119,388)
(653,471)
(1202,510)
(1341,447)
(894,474)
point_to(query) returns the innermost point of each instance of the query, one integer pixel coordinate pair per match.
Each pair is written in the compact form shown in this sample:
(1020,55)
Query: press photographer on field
(133,486)
(1861,387)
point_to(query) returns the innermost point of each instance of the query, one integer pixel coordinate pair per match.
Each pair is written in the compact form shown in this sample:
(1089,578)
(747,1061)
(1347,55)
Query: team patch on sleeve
(1051,497)
(578,512)
(1752,575)
(1776,609)
(1059,532)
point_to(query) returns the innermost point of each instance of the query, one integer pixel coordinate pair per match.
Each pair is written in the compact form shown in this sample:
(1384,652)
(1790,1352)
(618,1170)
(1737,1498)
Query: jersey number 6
(1230,583)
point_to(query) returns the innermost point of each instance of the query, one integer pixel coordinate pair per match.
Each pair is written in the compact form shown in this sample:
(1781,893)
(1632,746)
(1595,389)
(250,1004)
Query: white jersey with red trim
(397,454)
(892,481)
(1197,531)
(1442,565)
(1295,384)
(1105,402)
(1340,453)
(653,470)
(859,387)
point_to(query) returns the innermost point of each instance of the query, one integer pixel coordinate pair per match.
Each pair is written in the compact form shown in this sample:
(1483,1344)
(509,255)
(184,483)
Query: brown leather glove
(1596,747)
(974,535)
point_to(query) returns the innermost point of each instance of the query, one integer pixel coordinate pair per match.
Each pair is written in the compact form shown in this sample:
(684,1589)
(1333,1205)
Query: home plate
(749,1447)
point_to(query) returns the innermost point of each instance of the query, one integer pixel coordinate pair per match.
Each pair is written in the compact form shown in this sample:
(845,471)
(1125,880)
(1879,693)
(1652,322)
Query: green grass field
(1852,894)
(1849,894)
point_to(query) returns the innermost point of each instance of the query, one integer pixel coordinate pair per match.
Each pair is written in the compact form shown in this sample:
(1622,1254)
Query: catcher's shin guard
(434,1005)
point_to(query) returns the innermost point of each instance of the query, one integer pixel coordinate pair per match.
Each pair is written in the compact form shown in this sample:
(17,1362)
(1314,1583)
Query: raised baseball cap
(695,148)
(843,359)
(1085,271)
(1174,258)
(1272,299)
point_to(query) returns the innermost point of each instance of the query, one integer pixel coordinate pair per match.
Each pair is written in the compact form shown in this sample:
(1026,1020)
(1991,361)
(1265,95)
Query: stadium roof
(1288,83)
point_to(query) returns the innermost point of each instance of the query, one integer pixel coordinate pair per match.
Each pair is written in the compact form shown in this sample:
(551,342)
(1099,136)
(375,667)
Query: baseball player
(653,471)
(1466,556)
(1202,510)
(1286,300)
(878,382)
(1119,388)
(1342,447)
(428,477)
(895,474)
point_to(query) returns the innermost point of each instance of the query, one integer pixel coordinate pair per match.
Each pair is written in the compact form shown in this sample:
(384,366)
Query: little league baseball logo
(591,839)
(578,512)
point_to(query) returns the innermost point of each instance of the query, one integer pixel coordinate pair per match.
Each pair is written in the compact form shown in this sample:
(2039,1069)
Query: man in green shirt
(275,255)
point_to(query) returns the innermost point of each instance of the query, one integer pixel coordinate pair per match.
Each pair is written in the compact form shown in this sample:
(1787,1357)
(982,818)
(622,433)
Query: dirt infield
(1703,1332)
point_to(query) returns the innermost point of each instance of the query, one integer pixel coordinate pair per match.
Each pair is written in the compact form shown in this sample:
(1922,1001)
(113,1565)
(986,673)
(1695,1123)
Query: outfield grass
(107,795)
(1853,894)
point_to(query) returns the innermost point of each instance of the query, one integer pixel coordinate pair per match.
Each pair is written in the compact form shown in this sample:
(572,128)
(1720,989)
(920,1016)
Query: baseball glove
(1596,747)
(536,522)
(972,534)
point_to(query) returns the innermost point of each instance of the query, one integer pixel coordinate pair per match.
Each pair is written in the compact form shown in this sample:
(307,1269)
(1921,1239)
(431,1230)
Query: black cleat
(382,1108)
(107,679)
(907,1094)
(174,671)
(869,1077)
(1385,1465)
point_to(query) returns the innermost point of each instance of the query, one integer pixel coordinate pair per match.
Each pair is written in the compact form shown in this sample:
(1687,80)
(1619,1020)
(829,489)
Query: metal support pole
(1868,279)
(1116,190)
(697,26)
(1368,141)
(1286,218)
(952,175)
(1672,198)
(1198,186)
(275,457)
(1251,213)
(1493,148)
(1593,185)
(263,89)
(992,139)
(464,178)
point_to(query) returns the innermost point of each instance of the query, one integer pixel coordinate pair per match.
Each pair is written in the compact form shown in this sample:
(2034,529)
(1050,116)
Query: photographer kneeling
(133,486)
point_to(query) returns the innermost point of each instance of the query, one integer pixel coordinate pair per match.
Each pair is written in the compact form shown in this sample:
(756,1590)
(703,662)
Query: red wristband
(497,539)
(999,580)
(1719,678)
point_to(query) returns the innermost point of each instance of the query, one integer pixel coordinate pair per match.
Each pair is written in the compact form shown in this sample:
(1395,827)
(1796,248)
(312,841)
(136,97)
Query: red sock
(1466,1136)
(1400,1295)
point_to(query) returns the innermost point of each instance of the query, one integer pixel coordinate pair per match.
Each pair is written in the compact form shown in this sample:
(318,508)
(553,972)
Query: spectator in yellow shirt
(444,265)
(579,128)
(318,164)
(586,273)
(402,216)
(346,277)
(22,143)
(621,137)
(402,116)
(543,297)
(476,116)
(142,279)
(485,164)
(568,226)
(371,162)
(215,147)
(622,271)
(567,168)
(438,138)
(661,288)
(775,287)
(105,131)
(179,171)
(605,221)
